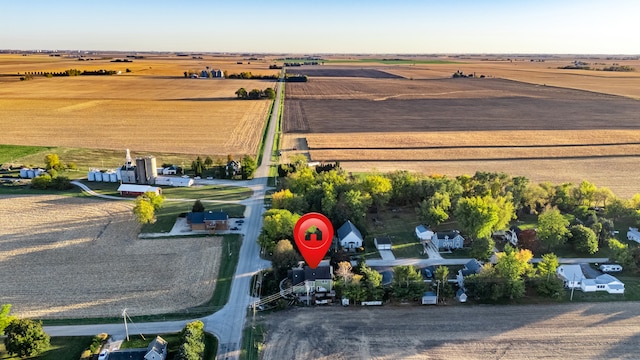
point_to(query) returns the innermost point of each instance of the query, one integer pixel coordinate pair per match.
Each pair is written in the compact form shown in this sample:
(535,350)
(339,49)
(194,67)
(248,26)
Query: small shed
(429,298)
(383,243)
(633,234)
(423,233)
(461,295)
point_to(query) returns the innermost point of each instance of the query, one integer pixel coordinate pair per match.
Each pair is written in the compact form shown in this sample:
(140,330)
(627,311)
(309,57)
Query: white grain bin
(30,174)
(91,176)
(38,172)
(119,174)
(113,177)
(24,172)
(98,175)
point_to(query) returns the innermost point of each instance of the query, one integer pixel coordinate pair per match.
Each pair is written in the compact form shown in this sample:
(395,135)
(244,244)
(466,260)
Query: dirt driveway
(569,331)
(64,257)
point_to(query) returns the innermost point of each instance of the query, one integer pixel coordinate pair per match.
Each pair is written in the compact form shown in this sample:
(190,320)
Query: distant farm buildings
(205,74)
(143,172)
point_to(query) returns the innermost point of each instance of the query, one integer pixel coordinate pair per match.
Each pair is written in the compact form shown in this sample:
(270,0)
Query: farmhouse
(157,350)
(633,234)
(318,280)
(604,282)
(208,220)
(572,275)
(170,170)
(448,240)
(233,168)
(137,190)
(383,243)
(349,236)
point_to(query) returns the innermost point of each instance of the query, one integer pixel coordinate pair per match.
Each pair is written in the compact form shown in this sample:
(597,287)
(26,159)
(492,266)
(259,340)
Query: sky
(329,26)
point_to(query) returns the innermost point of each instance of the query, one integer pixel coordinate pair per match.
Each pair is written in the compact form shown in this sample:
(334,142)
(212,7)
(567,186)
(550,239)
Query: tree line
(255,94)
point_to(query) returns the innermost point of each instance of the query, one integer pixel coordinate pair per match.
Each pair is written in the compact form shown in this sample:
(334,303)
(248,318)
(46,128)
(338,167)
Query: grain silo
(91,176)
(151,169)
(113,177)
(98,175)
(141,174)
(24,172)
(30,174)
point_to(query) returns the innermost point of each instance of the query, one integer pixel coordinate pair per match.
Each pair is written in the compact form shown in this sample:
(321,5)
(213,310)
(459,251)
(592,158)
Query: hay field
(460,126)
(65,257)
(152,114)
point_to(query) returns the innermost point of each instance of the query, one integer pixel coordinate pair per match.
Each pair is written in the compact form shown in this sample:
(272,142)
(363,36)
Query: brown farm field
(152,112)
(563,331)
(460,126)
(68,257)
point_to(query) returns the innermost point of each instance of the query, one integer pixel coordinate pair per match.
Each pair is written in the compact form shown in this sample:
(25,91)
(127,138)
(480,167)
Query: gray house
(473,266)
(448,240)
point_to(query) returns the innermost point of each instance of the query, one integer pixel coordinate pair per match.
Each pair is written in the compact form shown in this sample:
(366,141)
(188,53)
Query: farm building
(208,220)
(27,173)
(233,168)
(349,236)
(633,234)
(137,190)
(170,170)
(383,243)
(174,181)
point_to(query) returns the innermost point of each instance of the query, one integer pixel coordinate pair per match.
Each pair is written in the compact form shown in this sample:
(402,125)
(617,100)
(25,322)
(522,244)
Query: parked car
(104,354)
(610,268)
(235,228)
(240,221)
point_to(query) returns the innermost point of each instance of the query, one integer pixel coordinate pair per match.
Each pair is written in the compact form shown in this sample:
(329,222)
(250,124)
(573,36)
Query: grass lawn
(62,348)
(208,192)
(399,225)
(13,153)
(253,338)
(167,215)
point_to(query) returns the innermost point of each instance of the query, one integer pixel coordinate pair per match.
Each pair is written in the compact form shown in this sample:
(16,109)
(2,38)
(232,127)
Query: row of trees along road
(255,94)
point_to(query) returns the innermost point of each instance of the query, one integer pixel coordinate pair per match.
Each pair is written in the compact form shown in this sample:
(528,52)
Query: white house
(349,236)
(383,243)
(571,275)
(423,233)
(448,240)
(604,282)
(157,349)
(633,234)
(170,170)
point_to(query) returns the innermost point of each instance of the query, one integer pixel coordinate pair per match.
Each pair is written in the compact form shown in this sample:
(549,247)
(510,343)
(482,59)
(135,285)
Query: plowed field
(566,331)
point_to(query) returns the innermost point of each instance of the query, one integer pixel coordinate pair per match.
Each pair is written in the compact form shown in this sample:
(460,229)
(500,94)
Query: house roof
(421,229)
(447,235)
(195,217)
(473,265)
(607,279)
(137,188)
(156,349)
(299,275)
(570,272)
(348,228)
(216,215)
(383,240)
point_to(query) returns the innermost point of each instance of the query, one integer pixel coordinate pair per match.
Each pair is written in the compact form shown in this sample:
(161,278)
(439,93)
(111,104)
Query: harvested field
(65,257)
(604,330)
(152,114)
(460,126)
(327,71)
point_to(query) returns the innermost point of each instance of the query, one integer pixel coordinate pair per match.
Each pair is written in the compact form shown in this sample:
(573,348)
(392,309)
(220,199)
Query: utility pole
(124,317)
(573,286)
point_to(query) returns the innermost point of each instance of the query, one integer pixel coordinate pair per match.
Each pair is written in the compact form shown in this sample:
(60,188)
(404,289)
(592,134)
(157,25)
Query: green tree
(407,283)
(270,93)
(552,228)
(144,212)
(277,224)
(372,281)
(208,162)
(434,210)
(285,199)
(621,253)
(480,216)
(25,338)
(197,206)
(41,182)
(249,167)
(379,187)
(5,318)
(547,266)
(284,257)
(482,248)
(255,94)
(52,161)
(61,183)
(442,277)
(242,93)
(352,205)
(584,239)
(154,199)
(191,342)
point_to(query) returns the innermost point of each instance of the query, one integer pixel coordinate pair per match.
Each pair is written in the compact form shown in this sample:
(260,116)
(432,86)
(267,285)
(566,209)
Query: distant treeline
(249,75)
(69,72)
(296,78)
(579,65)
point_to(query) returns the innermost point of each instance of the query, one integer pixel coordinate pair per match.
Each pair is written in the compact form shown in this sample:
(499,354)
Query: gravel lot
(569,331)
(66,257)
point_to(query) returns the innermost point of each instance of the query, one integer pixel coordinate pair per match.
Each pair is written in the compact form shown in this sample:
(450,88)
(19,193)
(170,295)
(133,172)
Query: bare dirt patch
(571,331)
(65,257)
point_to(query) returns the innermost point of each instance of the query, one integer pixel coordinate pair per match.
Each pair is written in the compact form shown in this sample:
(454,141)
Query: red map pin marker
(313,234)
